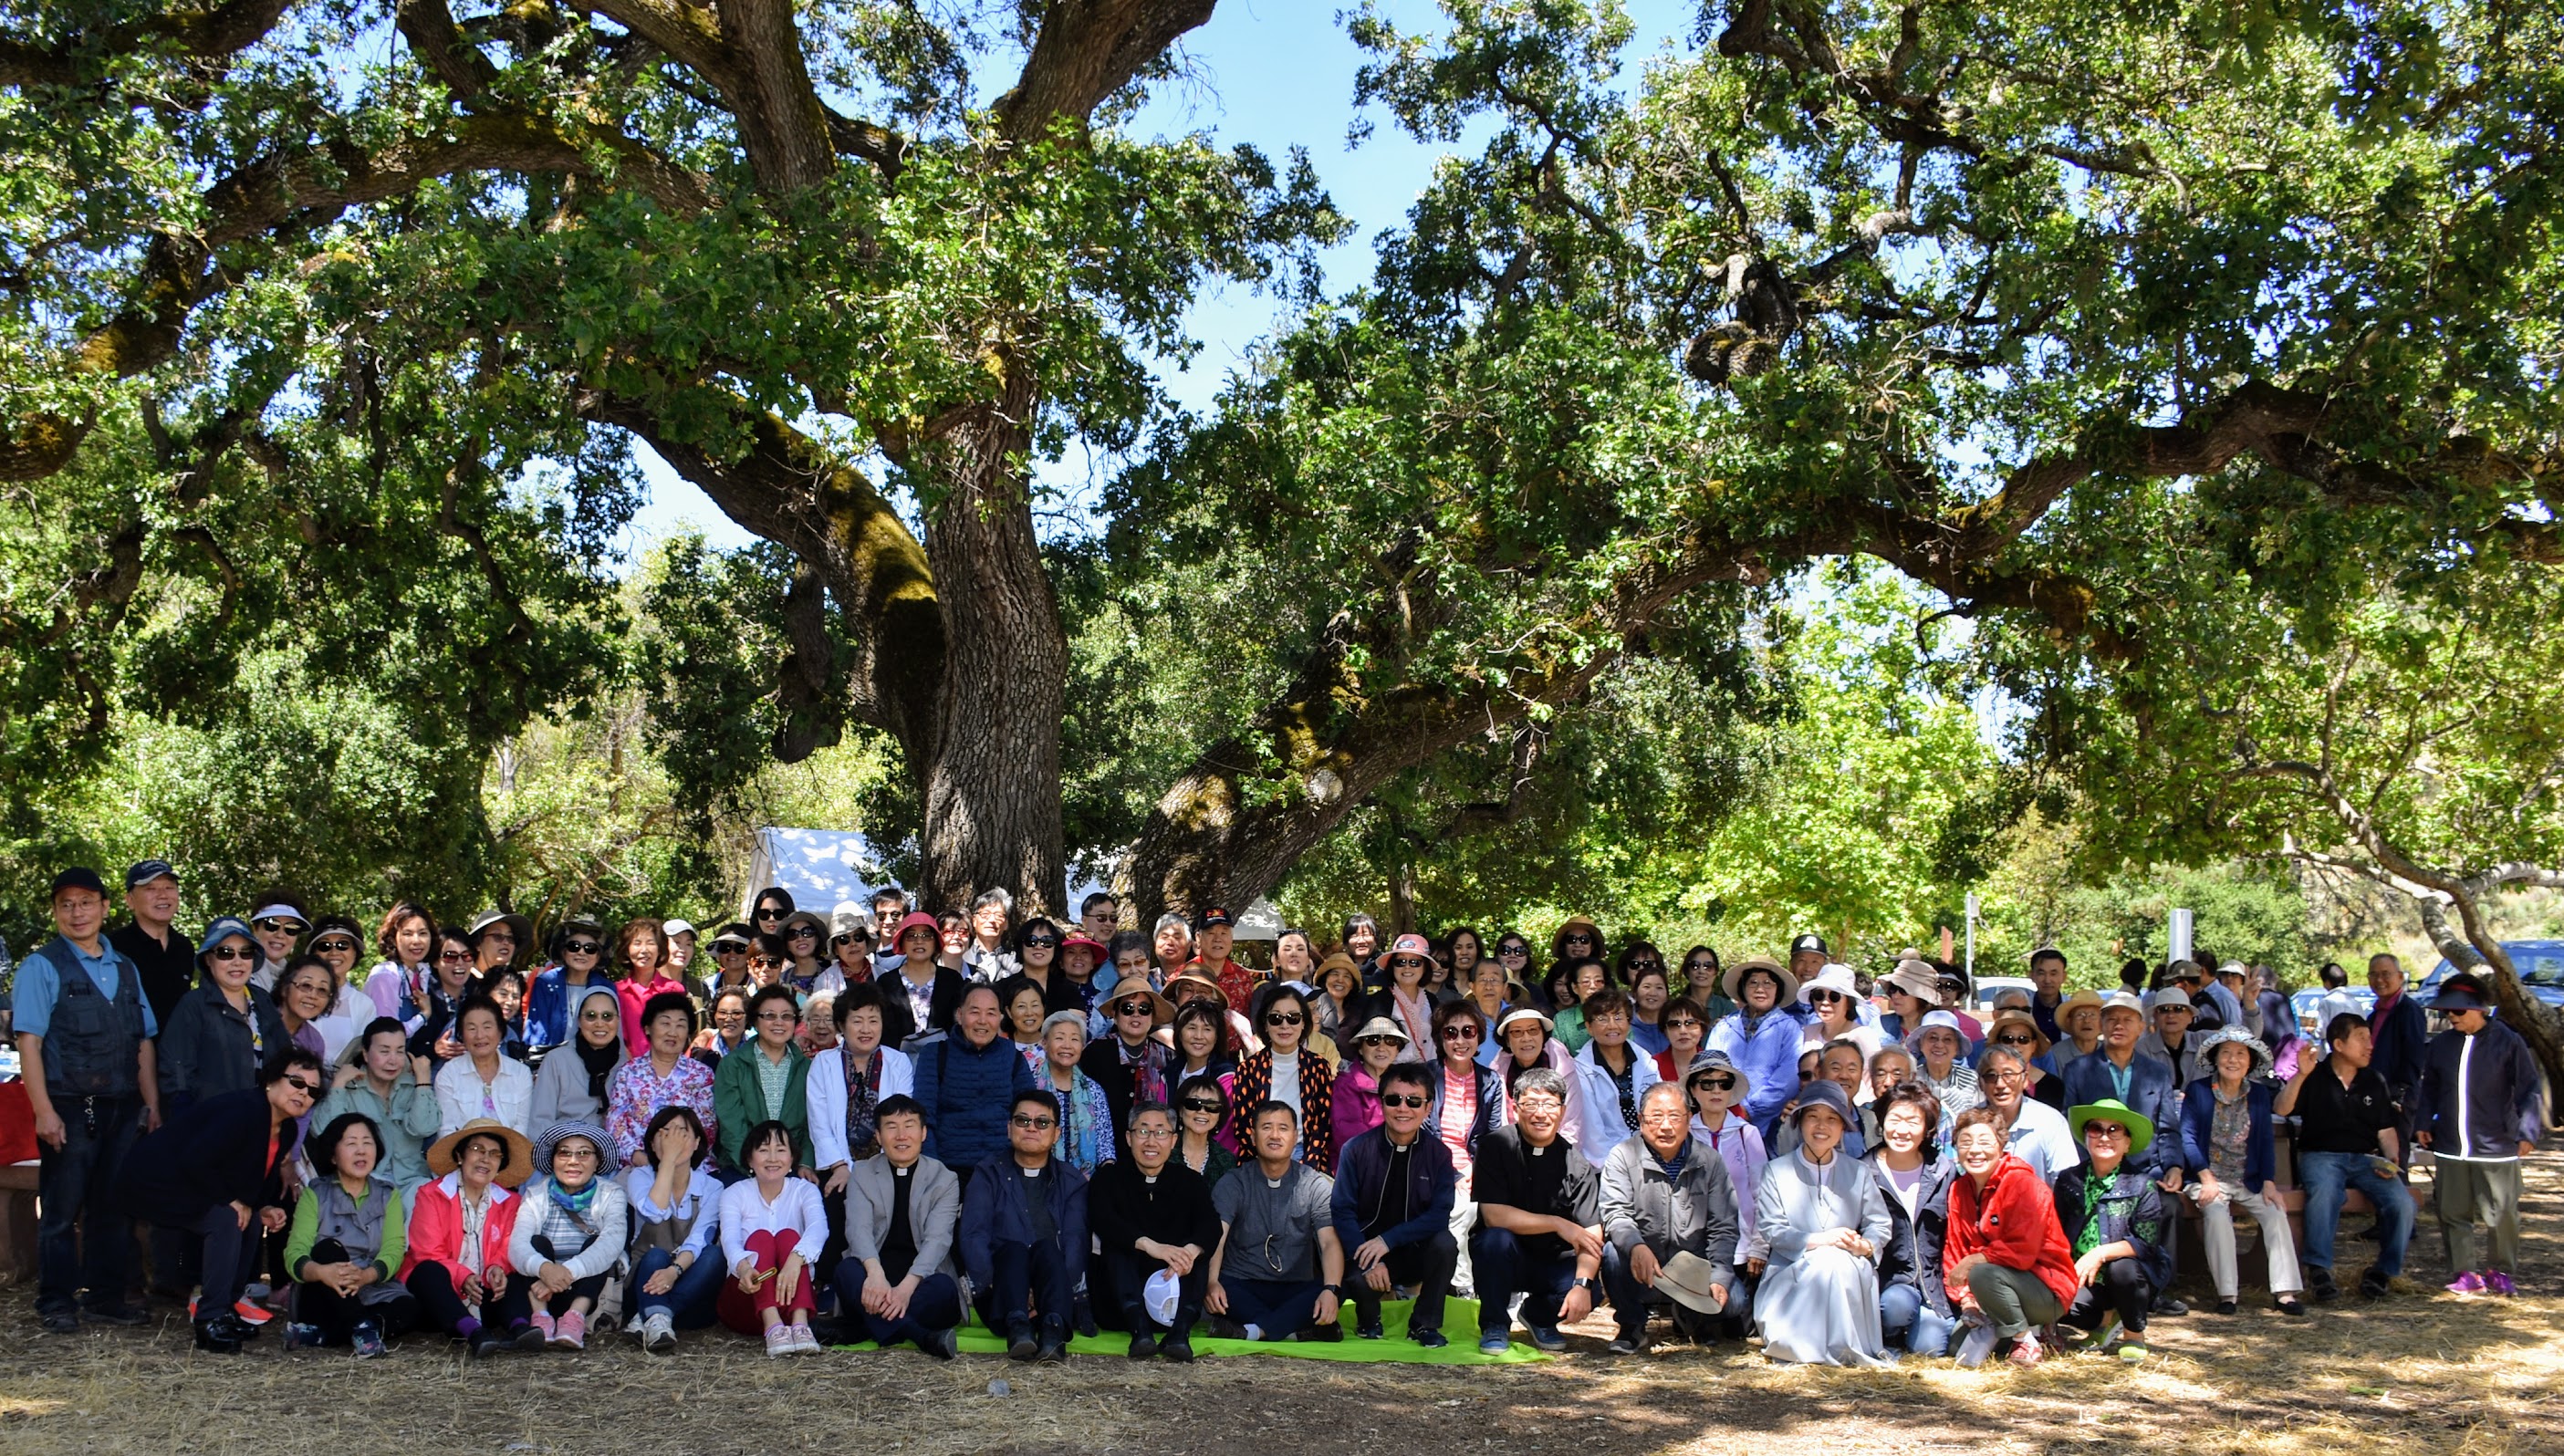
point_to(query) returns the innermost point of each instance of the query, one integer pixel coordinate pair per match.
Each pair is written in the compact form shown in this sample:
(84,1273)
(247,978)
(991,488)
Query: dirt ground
(2421,1372)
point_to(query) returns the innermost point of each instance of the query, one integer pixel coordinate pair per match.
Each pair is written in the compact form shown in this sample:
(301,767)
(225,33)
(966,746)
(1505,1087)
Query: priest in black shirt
(1540,1222)
(1152,1214)
(2347,1139)
(901,1210)
(1394,1187)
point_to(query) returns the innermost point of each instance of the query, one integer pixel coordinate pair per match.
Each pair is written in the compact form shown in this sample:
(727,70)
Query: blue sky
(1275,73)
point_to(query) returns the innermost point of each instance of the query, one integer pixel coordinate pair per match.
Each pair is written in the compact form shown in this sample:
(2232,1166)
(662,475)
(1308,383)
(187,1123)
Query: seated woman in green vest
(347,1238)
(763,1081)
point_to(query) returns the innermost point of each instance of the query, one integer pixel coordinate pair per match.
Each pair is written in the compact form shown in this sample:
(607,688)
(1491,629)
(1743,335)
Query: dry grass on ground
(2419,1374)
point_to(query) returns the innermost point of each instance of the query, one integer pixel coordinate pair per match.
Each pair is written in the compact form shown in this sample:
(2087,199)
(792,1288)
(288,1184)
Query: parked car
(1981,996)
(2307,1002)
(2540,964)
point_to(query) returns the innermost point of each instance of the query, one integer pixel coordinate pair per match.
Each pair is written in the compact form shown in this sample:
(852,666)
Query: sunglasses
(233,953)
(1645,965)
(1512,952)
(1380,1041)
(455,957)
(1679,1022)
(1578,938)
(1458,1033)
(606,1015)
(1394,1099)
(272,922)
(1713,1084)
(1284,1018)
(836,940)
(1819,998)
(1695,967)
(2104,1130)
(333,943)
(582,947)
(770,914)
(308,1089)
(1036,1123)
(1043,942)
(2016,1041)
(1198,1105)
(803,932)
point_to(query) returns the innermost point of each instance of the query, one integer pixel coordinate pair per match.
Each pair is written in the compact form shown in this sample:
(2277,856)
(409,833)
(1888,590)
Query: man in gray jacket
(901,1210)
(1662,1194)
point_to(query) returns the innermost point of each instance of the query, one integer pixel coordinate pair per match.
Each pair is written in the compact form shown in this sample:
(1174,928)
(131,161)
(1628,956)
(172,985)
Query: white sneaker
(659,1333)
(804,1341)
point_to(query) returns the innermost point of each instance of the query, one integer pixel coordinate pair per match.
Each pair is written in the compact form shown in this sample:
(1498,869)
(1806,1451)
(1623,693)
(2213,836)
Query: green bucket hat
(2141,1129)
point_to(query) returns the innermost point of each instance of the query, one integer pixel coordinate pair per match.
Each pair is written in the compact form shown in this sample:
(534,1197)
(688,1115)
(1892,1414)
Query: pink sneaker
(780,1340)
(2499,1283)
(569,1332)
(2468,1283)
(544,1325)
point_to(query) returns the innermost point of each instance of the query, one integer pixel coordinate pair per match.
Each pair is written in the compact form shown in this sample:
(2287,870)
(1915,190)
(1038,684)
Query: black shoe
(2290,1306)
(1371,1330)
(1221,1326)
(125,1315)
(217,1335)
(1019,1341)
(1143,1345)
(2374,1285)
(1326,1334)
(1178,1347)
(2319,1285)
(2166,1307)
(941,1344)
(1627,1345)
(61,1320)
(1429,1339)
(1083,1317)
(1053,1349)
(2226,1307)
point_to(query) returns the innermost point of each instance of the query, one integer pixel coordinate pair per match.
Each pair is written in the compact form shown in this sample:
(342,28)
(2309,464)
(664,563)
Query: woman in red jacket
(457,1261)
(2006,1262)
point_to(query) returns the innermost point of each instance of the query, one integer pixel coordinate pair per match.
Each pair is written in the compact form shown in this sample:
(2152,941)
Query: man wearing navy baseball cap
(2479,1118)
(151,939)
(85,1050)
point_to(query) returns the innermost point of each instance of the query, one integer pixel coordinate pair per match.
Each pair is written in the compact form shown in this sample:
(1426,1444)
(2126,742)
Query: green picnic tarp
(1459,1322)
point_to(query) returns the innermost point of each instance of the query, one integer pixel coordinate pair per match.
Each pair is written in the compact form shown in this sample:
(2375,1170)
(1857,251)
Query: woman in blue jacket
(2226,1143)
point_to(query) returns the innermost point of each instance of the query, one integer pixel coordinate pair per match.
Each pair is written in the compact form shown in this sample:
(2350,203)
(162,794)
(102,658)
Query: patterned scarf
(863,1088)
(1147,1068)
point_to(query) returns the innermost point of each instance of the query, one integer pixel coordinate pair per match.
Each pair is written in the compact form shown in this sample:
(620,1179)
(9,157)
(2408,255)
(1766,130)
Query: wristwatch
(1588,1284)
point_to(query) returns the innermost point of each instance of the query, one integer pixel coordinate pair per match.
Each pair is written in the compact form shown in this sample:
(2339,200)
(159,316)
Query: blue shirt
(38,985)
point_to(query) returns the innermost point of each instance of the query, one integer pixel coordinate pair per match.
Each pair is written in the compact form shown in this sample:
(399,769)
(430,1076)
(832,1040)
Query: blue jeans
(2325,1177)
(79,1179)
(692,1302)
(1503,1270)
(1909,1322)
(933,1307)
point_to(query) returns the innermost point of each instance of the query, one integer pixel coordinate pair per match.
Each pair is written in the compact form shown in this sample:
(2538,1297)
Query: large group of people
(884,1123)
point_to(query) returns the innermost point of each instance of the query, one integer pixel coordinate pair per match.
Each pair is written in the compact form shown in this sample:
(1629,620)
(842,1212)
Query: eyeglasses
(332,945)
(308,1089)
(1538,1104)
(275,922)
(576,1152)
(233,953)
(1105,917)
(1284,1018)
(455,957)
(1036,1123)
(582,948)
(1459,1033)
(1411,1099)
(2007,1076)
(782,1014)
(1040,942)
(1198,1105)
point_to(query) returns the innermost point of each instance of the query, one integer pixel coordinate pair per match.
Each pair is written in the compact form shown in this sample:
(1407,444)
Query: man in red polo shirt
(1213,934)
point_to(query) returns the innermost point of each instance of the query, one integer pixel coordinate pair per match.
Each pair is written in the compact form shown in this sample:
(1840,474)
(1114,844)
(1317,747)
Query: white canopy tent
(822,868)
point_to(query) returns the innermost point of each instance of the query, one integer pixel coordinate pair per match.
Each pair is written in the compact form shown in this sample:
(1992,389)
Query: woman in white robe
(1821,1221)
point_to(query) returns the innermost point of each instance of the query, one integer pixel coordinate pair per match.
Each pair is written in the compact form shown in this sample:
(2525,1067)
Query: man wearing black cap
(85,1050)
(1808,955)
(167,958)
(2479,1118)
(1213,934)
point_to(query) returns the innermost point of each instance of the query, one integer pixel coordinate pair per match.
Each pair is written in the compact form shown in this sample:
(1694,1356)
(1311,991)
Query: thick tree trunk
(989,775)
